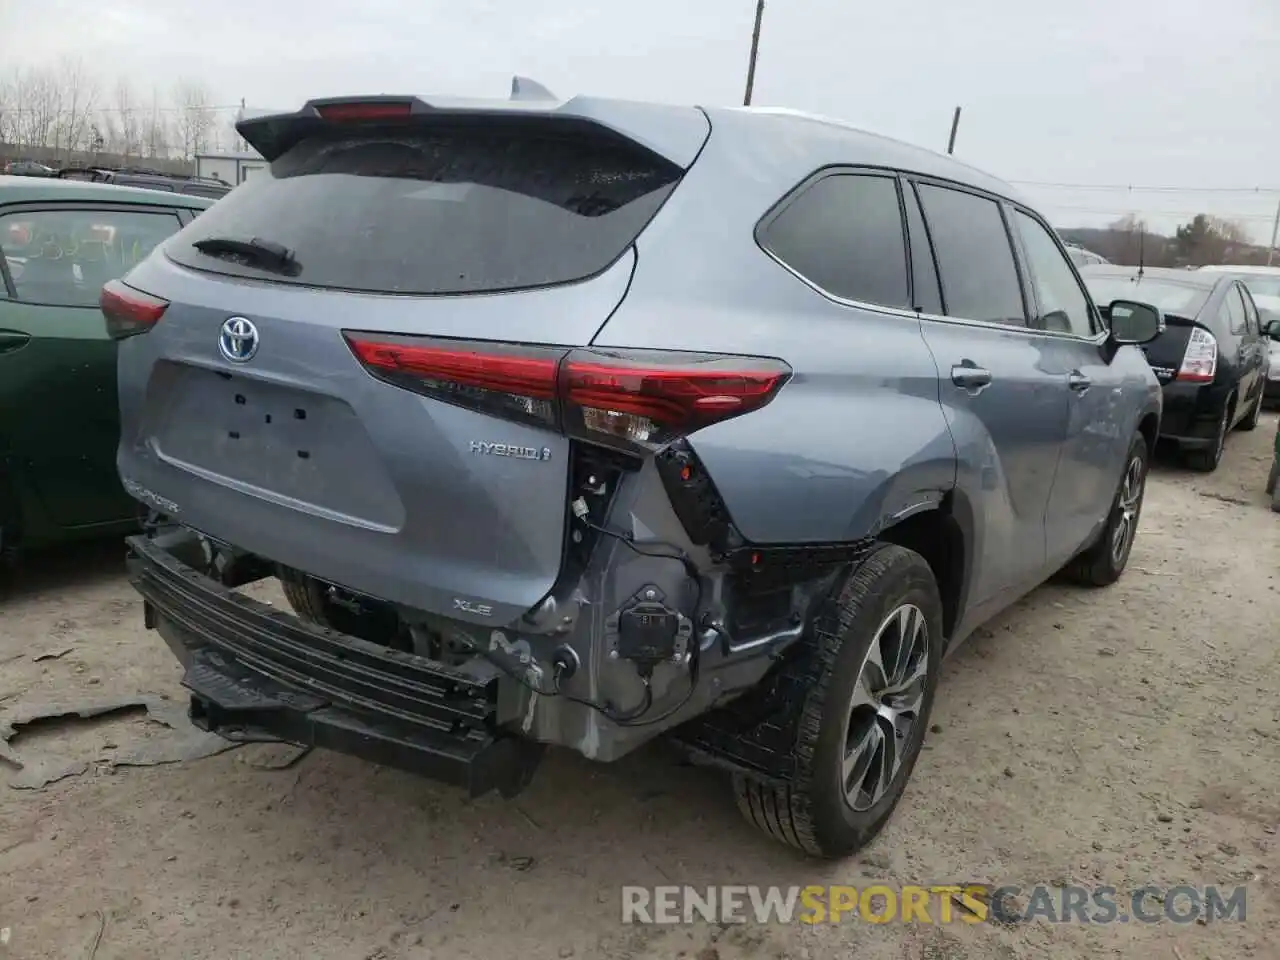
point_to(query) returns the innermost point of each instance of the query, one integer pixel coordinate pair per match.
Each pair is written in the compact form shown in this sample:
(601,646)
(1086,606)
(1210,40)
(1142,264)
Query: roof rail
(522,88)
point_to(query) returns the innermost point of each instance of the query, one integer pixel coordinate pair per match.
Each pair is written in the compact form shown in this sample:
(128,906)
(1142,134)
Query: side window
(1235,311)
(1250,311)
(924,275)
(975,259)
(63,257)
(844,235)
(1064,306)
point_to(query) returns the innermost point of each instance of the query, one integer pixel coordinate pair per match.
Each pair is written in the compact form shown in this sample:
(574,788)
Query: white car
(1264,285)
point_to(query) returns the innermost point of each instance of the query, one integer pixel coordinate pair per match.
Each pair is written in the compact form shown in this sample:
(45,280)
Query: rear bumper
(257,674)
(1192,412)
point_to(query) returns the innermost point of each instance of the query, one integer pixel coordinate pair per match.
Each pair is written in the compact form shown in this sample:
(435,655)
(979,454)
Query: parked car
(529,479)
(150,180)
(1264,284)
(26,168)
(1084,258)
(59,424)
(1273,480)
(1211,359)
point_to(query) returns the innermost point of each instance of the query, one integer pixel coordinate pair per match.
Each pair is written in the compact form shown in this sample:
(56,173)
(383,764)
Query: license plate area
(292,443)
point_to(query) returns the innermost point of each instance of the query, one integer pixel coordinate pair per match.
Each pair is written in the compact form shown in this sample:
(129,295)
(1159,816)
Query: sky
(1084,104)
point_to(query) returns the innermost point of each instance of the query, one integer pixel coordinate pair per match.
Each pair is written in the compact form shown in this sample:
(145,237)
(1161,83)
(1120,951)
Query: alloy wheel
(1126,519)
(887,700)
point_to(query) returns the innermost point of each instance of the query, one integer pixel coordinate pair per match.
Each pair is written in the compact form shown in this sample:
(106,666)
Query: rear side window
(924,275)
(1250,311)
(63,257)
(441,210)
(844,235)
(975,257)
(1234,311)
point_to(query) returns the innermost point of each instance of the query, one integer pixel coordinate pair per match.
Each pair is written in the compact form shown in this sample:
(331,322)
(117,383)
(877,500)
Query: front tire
(877,651)
(1103,563)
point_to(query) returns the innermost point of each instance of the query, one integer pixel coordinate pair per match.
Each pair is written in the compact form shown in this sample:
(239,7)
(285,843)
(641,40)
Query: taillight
(129,311)
(651,398)
(623,397)
(365,112)
(518,383)
(1200,362)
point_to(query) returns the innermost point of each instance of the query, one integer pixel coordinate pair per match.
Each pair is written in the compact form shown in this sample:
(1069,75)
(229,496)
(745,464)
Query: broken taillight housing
(128,310)
(1200,361)
(641,398)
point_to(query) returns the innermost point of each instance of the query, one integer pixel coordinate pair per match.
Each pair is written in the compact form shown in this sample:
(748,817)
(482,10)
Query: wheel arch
(943,536)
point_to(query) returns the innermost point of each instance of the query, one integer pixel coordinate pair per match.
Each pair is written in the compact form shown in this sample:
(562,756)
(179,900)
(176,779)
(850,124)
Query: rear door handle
(970,377)
(11,340)
(1078,382)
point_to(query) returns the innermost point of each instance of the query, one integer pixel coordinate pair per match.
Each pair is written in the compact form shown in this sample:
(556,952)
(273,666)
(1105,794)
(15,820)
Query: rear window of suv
(440,210)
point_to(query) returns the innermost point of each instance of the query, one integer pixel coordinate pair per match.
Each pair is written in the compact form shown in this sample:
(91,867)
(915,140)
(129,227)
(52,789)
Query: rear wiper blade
(266,254)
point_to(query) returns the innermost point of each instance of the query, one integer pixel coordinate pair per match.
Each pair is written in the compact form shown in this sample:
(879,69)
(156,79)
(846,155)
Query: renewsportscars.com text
(934,904)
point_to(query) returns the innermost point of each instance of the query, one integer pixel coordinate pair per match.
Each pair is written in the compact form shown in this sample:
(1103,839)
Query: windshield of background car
(1181,299)
(440,210)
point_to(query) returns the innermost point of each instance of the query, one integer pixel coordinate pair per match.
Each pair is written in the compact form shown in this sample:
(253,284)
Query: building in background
(232,168)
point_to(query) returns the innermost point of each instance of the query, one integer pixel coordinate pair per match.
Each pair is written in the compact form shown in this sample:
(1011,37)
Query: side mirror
(1134,323)
(1271,326)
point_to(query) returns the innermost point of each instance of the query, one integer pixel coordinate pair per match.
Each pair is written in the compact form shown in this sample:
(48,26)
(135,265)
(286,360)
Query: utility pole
(1275,229)
(755,49)
(955,125)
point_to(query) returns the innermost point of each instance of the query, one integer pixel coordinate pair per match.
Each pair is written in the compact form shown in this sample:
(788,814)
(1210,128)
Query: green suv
(1273,481)
(61,240)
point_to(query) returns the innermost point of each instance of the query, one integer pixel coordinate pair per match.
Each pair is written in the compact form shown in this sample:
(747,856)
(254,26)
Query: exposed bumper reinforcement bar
(258,674)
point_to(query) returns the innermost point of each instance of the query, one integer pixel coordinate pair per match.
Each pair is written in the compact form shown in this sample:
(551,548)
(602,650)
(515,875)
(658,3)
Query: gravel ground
(1122,737)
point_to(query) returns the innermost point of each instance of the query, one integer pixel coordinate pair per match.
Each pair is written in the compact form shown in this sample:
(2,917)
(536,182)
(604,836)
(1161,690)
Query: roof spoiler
(674,133)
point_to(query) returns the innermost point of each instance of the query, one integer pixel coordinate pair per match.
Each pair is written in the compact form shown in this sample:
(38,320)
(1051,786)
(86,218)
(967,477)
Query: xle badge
(484,448)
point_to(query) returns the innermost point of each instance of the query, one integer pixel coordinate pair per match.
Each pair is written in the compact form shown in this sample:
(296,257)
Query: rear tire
(1206,461)
(1251,421)
(853,758)
(305,597)
(1103,563)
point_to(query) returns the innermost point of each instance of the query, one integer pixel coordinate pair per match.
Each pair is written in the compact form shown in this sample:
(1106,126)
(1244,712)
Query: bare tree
(155,130)
(195,116)
(76,97)
(6,111)
(37,103)
(127,125)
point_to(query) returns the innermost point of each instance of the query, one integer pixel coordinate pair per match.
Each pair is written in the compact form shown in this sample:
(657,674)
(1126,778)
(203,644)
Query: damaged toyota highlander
(583,422)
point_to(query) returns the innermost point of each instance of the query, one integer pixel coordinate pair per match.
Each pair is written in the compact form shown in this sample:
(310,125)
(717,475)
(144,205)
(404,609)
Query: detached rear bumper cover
(256,673)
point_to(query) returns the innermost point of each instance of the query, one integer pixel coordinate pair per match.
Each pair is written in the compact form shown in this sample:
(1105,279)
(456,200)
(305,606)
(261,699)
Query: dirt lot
(1122,737)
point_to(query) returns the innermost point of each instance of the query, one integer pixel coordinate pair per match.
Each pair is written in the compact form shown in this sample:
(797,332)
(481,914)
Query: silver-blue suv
(581,422)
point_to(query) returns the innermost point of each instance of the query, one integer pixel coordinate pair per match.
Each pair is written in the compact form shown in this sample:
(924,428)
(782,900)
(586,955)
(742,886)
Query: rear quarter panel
(857,437)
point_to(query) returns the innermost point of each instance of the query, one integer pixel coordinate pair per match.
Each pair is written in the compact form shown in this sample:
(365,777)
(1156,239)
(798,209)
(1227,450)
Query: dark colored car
(1273,479)
(59,423)
(149,179)
(27,168)
(1211,359)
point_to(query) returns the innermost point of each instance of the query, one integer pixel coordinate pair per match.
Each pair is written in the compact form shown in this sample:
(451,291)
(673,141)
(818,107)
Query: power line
(1136,188)
(1158,213)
